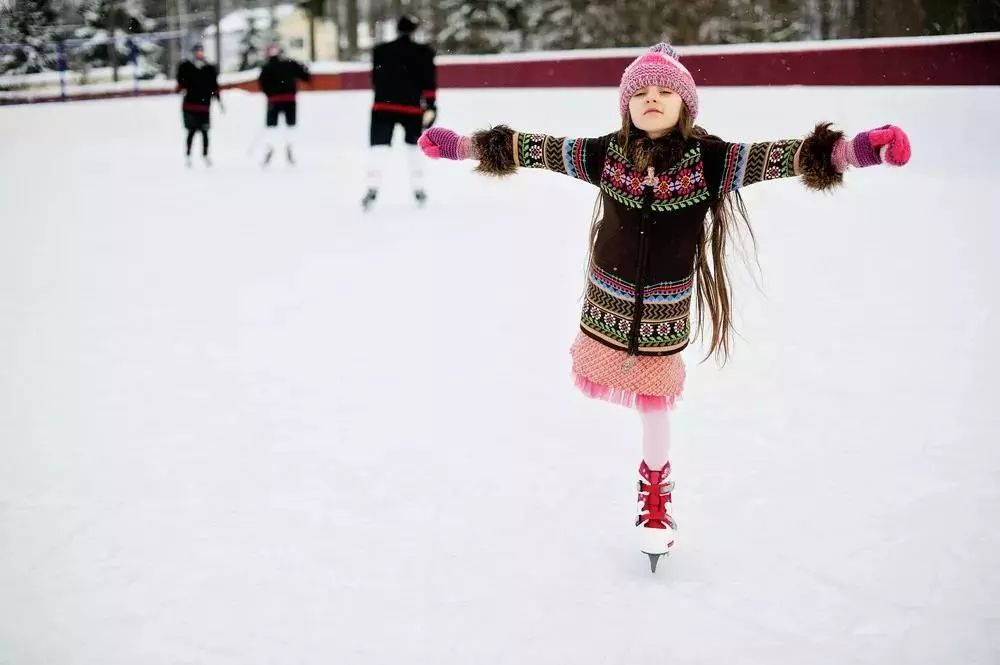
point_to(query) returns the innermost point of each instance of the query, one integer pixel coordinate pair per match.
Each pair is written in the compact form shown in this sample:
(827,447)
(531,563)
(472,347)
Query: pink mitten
(888,143)
(892,143)
(438,142)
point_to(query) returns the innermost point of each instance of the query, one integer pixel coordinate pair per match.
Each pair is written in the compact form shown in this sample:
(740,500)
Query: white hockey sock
(376,165)
(655,437)
(413,159)
(270,137)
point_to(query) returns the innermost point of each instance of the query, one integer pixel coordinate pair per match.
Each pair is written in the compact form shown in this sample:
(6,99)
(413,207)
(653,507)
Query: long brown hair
(713,290)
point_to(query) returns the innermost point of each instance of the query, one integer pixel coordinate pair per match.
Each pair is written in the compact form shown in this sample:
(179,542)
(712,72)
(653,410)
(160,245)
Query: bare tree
(888,18)
(351,19)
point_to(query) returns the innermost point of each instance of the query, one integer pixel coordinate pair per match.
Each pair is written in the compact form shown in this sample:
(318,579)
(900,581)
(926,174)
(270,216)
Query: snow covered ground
(241,423)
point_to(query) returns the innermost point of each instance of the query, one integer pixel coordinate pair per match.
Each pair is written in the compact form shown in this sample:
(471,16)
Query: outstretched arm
(501,151)
(216,91)
(428,81)
(303,73)
(820,158)
(376,73)
(182,79)
(428,88)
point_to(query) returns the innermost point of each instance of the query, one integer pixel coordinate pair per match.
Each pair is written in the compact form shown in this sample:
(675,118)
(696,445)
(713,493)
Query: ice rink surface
(241,423)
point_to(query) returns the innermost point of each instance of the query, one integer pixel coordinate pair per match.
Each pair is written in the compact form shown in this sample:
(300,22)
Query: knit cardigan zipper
(640,270)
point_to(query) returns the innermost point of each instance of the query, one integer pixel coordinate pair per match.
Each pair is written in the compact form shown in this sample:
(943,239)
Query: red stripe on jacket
(282,97)
(397,108)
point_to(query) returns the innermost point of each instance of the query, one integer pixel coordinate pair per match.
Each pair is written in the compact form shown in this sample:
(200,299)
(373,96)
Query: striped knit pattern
(858,152)
(609,309)
(748,163)
(862,152)
(839,157)
(562,155)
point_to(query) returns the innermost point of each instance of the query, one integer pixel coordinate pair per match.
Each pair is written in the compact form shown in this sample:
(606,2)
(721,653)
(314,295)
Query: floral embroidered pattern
(682,186)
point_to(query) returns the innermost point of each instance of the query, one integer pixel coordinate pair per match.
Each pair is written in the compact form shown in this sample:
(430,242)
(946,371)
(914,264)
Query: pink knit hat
(659,66)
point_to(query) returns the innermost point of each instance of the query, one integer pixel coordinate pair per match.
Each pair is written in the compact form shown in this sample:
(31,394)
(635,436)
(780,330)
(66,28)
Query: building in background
(287,23)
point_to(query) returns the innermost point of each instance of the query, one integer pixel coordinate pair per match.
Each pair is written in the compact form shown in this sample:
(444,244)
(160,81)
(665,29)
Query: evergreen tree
(253,43)
(482,26)
(946,17)
(741,21)
(28,31)
(129,20)
(568,24)
(491,26)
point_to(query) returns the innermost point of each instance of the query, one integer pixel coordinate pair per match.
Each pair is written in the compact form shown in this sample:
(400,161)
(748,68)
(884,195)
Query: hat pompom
(666,49)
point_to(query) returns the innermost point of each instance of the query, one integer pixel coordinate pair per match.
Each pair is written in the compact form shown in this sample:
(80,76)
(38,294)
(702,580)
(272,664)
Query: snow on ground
(242,423)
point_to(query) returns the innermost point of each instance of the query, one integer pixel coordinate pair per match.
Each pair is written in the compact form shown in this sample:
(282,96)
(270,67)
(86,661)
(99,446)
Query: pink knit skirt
(650,383)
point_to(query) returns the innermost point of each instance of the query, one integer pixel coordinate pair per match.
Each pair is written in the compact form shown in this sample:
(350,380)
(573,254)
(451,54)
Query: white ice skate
(656,526)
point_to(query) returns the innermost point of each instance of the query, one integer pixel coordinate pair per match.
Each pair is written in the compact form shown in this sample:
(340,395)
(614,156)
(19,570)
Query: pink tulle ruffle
(643,403)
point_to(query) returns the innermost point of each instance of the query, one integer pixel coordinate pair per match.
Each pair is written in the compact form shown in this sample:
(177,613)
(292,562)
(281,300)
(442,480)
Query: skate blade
(655,559)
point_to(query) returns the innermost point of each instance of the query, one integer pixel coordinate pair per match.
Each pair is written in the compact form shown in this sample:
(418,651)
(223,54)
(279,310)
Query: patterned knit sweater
(640,280)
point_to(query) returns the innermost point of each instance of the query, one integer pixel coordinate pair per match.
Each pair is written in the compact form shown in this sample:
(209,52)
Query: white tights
(655,437)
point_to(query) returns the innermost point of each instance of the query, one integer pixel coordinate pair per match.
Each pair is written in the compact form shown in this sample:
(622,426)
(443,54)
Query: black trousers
(288,109)
(384,122)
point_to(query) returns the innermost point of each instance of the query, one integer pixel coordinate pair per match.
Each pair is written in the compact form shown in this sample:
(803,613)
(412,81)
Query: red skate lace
(655,495)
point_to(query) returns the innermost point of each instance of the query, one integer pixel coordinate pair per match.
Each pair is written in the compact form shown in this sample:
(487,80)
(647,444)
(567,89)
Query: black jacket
(404,76)
(279,79)
(199,84)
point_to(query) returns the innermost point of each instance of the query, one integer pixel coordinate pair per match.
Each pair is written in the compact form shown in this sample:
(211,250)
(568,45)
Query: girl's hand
(892,143)
(888,144)
(438,142)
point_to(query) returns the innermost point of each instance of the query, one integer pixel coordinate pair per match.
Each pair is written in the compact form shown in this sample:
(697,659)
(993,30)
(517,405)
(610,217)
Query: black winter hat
(407,25)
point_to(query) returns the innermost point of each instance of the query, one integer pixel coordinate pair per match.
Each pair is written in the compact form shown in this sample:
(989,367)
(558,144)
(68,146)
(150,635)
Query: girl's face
(655,110)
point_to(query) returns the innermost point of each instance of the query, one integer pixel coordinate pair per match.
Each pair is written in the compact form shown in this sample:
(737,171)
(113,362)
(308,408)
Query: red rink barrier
(952,60)
(931,63)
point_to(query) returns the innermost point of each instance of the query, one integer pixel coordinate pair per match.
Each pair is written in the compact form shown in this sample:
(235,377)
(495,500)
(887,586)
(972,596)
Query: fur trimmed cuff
(494,148)
(816,159)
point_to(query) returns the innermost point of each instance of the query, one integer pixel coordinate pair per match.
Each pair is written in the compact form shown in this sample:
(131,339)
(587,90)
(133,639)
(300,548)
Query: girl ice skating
(669,199)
